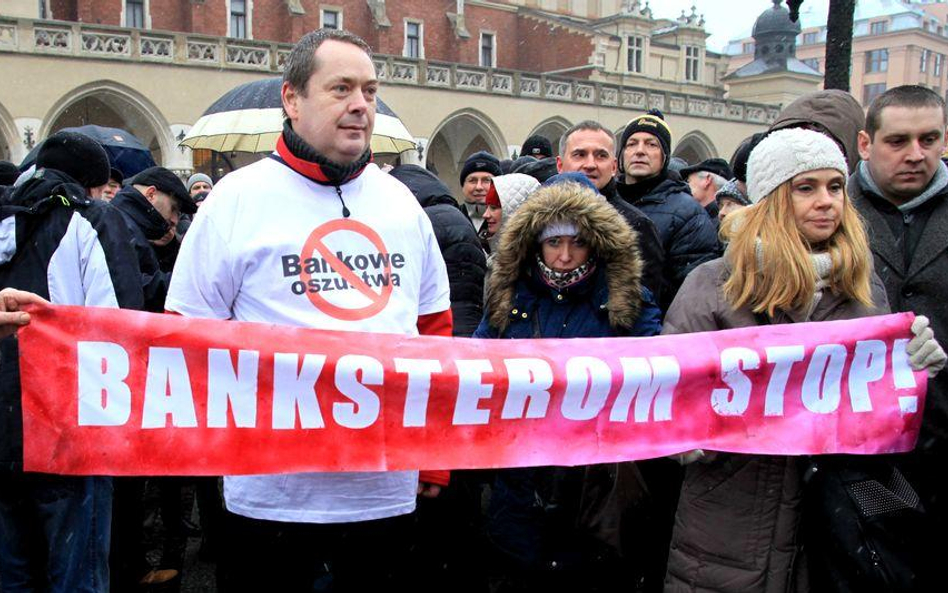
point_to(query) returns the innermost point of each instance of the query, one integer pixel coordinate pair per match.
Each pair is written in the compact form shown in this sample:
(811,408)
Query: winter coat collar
(936,187)
(613,242)
(650,190)
(48,185)
(302,158)
(139,210)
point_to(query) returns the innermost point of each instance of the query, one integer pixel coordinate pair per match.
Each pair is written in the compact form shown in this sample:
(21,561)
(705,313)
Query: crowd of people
(828,214)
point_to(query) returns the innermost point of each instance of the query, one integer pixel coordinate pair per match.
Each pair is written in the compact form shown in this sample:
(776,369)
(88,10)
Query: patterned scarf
(561,280)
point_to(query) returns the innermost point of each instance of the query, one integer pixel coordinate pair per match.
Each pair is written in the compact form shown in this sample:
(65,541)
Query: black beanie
(481,161)
(740,156)
(8,173)
(652,122)
(537,146)
(76,155)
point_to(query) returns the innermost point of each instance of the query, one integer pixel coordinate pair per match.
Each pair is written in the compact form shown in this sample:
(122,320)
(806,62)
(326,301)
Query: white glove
(924,351)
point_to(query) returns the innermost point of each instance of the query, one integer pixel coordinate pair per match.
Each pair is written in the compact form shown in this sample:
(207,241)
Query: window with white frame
(692,63)
(135,14)
(748,47)
(636,53)
(938,61)
(240,19)
(813,63)
(811,37)
(923,63)
(330,18)
(488,50)
(43,11)
(871,91)
(414,40)
(878,27)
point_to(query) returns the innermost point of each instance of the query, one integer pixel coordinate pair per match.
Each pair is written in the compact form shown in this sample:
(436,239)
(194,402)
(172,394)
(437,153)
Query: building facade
(894,43)
(462,75)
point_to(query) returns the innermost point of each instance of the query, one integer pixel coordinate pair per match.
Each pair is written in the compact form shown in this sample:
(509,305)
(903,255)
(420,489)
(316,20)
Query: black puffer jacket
(686,231)
(650,243)
(460,247)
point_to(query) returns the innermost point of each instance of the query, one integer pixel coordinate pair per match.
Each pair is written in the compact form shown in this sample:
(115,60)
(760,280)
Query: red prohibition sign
(314,242)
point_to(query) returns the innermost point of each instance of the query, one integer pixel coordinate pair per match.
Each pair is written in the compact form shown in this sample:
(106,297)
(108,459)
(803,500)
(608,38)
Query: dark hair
(301,63)
(909,95)
(584,125)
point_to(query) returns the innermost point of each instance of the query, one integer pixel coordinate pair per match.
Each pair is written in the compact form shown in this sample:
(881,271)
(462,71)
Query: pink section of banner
(125,393)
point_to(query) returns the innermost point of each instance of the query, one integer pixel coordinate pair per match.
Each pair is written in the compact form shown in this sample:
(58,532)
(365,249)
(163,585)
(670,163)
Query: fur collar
(613,243)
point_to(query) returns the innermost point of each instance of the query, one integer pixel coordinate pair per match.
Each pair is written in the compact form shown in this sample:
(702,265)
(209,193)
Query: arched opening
(552,129)
(10,147)
(459,136)
(695,147)
(111,105)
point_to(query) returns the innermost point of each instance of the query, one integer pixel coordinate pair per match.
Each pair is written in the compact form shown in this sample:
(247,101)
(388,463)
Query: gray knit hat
(786,153)
(199,177)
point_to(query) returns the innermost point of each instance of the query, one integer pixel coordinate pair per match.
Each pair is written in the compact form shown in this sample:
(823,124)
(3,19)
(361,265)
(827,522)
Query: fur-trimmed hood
(613,243)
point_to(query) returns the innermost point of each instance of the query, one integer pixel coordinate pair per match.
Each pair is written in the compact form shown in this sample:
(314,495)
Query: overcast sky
(731,19)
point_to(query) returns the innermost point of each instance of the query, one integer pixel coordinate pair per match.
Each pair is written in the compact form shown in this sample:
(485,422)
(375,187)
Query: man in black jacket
(589,148)
(460,246)
(901,190)
(151,204)
(687,233)
(71,250)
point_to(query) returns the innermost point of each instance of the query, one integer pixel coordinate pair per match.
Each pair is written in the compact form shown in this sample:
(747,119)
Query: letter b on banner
(104,398)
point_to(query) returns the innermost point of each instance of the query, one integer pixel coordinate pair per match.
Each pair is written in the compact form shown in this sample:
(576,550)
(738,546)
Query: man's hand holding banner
(127,393)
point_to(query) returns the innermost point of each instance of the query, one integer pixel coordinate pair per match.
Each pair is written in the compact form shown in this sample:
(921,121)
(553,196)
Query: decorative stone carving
(699,107)
(282,56)
(656,102)
(609,96)
(676,105)
(248,56)
(756,114)
(438,76)
(585,93)
(633,99)
(156,47)
(719,110)
(202,51)
(8,36)
(381,69)
(556,89)
(469,79)
(52,39)
(501,83)
(735,111)
(402,72)
(106,44)
(530,86)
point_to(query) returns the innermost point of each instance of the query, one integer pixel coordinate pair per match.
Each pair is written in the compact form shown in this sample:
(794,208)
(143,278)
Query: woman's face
(564,253)
(818,198)
(492,217)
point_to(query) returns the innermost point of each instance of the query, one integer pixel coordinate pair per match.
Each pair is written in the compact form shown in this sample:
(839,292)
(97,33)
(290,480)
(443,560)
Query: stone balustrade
(192,50)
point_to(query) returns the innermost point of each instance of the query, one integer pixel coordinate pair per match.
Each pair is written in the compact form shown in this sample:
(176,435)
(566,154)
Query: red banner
(125,393)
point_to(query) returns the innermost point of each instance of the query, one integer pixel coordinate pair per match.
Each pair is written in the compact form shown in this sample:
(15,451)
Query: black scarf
(302,158)
(633,192)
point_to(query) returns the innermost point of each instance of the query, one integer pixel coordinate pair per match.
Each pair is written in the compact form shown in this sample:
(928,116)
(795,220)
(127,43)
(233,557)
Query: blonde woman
(798,254)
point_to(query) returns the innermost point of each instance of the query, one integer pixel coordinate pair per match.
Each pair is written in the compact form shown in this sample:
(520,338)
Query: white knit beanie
(784,154)
(558,229)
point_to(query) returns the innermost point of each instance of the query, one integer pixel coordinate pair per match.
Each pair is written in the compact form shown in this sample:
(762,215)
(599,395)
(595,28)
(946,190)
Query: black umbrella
(126,152)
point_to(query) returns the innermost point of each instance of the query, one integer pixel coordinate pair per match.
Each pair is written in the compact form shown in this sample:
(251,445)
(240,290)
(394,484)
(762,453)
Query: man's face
(905,152)
(111,188)
(337,112)
(642,157)
(200,186)
(476,186)
(589,152)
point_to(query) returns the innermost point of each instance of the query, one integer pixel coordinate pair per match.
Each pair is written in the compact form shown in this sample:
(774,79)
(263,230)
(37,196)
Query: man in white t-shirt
(317,236)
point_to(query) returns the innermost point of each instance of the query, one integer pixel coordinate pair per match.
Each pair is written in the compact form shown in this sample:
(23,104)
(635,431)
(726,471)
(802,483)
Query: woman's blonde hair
(783,277)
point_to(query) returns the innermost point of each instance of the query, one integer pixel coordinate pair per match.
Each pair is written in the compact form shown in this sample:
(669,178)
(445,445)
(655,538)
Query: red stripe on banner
(127,393)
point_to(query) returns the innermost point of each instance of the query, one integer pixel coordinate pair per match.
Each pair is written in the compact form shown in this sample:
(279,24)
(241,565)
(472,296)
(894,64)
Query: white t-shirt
(267,246)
